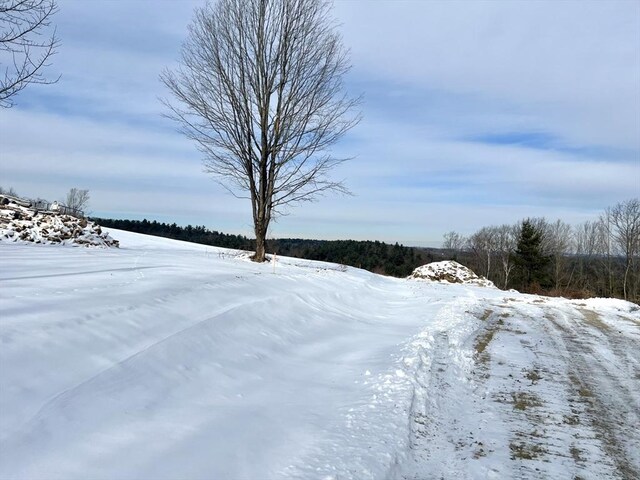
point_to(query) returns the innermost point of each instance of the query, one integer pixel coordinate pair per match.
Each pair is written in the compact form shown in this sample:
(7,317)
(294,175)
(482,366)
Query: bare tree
(559,242)
(506,240)
(24,52)
(77,201)
(606,248)
(625,231)
(586,239)
(260,89)
(483,245)
(10,191)
(587,247)
(453,241)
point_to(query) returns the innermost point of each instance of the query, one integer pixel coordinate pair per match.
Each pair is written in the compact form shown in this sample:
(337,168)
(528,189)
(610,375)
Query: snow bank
(19,223)
(449,272)
(613,305)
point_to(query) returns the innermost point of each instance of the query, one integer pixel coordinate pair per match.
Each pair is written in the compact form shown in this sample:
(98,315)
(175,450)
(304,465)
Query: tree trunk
(261,227)
(506,268)
(260,248)
(624,282)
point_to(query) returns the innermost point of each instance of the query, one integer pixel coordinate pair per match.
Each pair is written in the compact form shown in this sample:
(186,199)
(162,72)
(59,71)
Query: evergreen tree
(529,256)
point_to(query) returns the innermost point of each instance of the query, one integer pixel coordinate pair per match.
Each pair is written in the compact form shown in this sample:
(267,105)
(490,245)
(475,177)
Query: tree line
(197,234)
(594,258)
(378,257)
(395,260)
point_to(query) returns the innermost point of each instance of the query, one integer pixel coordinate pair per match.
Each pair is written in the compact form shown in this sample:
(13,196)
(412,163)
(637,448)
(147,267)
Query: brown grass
(524,451)
(484,341)
(523,400)
(533,375)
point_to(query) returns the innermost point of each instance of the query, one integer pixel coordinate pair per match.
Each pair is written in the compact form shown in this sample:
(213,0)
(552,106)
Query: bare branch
(77,201)
(23,53)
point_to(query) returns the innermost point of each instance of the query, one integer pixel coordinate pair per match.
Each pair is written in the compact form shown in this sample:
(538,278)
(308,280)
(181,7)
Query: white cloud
(438,77)
(573,65)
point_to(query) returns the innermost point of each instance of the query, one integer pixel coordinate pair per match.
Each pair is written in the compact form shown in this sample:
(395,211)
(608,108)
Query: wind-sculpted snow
(166,360)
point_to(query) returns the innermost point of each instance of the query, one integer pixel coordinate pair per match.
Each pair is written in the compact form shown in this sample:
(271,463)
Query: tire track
(611,400)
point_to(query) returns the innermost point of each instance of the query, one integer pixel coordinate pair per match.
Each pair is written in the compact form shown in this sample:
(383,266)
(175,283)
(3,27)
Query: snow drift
(449,272)
(19,223)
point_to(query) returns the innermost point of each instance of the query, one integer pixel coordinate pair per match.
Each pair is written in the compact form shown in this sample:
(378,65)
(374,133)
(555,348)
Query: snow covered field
(168,360)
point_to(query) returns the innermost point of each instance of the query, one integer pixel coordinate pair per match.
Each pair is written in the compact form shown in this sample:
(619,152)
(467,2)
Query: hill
(164,359)
(378,257)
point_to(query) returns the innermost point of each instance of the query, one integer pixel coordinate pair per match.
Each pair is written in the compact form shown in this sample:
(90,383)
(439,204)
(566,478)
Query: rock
(20,223)
(449,272)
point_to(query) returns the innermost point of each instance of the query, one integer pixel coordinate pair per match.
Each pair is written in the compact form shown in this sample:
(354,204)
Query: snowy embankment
(169,360)
(19,223)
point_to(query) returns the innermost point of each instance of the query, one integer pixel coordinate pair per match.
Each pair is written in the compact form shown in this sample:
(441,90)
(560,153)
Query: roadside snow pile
(20,223)
(449,272)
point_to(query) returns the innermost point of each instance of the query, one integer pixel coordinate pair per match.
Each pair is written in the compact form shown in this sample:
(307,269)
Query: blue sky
(474,113)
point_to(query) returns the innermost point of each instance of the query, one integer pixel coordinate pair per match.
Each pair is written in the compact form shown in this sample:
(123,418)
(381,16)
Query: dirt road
(541,388)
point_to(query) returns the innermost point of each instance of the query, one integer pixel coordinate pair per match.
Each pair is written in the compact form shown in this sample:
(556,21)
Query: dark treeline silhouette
(197,234)
(378,257)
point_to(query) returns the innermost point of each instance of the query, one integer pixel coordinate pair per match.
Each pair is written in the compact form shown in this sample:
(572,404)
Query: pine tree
(529,256)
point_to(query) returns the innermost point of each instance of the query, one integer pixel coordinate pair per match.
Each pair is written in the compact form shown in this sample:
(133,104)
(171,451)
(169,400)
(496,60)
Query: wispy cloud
(573,65)
(475,113)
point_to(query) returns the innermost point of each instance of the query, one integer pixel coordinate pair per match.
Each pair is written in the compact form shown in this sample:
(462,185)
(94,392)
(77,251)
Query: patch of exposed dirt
(593,319)
(610,407)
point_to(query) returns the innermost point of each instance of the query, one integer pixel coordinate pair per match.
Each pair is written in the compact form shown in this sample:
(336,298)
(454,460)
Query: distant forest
(378,257)
(596,258)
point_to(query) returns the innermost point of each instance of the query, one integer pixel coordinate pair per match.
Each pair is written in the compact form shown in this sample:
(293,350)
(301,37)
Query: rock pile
(21,223)
(449,272)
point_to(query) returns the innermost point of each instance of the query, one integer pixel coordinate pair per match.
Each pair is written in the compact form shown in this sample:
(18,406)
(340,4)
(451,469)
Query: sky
(473,114)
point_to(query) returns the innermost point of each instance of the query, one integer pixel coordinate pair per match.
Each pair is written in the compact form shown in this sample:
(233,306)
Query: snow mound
(449,272)
(19,223)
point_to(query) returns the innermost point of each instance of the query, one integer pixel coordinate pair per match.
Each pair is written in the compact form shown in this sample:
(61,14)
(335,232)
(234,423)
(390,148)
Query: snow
(168,360)
(22,224)
(449,272)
